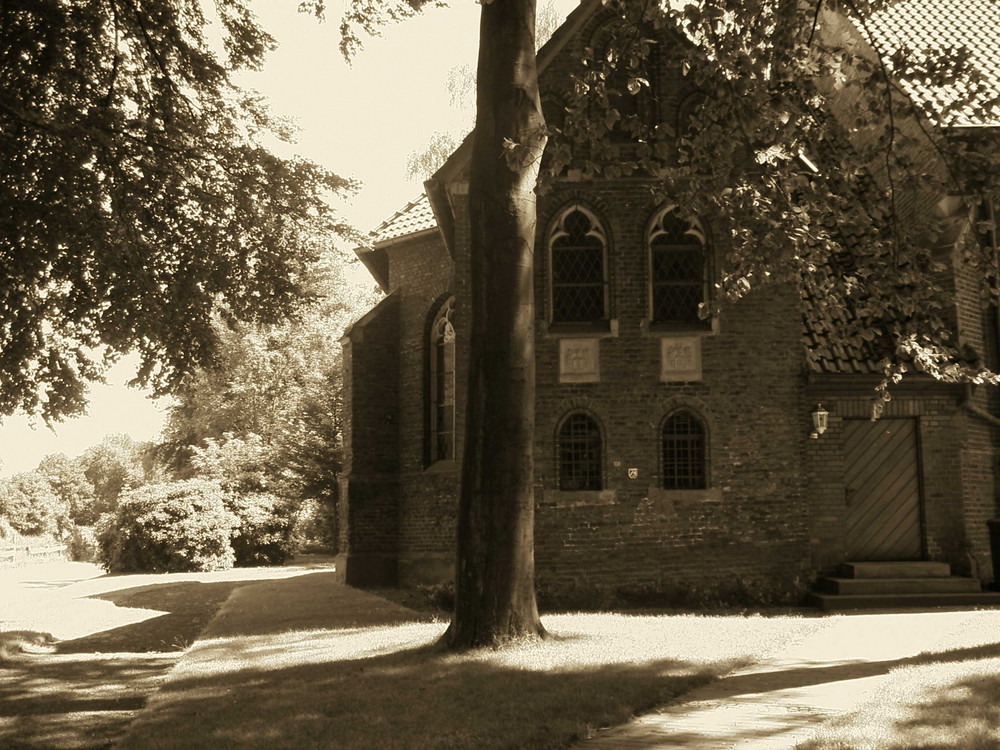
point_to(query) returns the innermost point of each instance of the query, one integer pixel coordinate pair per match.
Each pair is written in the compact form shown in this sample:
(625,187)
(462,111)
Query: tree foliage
(69,482)
(113,466)
(818,160)
(138,203)
(29,504)
(272,405)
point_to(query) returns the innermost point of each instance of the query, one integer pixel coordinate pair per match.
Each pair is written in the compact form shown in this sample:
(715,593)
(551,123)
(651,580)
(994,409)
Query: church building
(672,451)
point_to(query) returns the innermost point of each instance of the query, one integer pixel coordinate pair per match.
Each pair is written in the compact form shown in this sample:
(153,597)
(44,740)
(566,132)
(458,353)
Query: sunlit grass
(391,686)
(945,700)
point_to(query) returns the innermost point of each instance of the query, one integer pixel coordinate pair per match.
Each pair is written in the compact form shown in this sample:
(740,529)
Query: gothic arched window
(441,427)
(683,441)
(578,268)
(678,269)
(580,453)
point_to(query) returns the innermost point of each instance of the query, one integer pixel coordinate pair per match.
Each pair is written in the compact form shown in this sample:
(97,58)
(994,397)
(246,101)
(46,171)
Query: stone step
(841,602)
(849,586)
(911,569)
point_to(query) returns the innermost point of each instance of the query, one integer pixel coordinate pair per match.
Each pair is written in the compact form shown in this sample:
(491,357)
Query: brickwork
(980,438)
(419,274)
(751,518)
(774,505)
(367,517)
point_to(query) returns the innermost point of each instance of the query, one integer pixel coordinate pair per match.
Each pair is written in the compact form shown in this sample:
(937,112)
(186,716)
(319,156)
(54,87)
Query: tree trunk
(495,586)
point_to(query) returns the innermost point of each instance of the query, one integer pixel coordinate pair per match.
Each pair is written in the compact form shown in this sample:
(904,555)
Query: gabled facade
(670,450)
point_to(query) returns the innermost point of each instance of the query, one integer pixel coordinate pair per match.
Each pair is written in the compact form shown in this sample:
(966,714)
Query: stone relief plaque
(680,359)
(579,361)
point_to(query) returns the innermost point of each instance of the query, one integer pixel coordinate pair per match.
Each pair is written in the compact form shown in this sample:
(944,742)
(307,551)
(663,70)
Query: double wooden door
(883,490)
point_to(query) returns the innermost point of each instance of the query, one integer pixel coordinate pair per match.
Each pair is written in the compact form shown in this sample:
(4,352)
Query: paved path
(781,701)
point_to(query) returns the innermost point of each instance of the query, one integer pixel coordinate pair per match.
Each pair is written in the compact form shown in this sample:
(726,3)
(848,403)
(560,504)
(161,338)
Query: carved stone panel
(680,359)
(579,361)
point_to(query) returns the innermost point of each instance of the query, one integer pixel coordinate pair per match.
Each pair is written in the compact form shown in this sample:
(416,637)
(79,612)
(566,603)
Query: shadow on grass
(806,676)
(414,698)
(967,713)
(73,702)
(961,715)
(187,606)
(314,601)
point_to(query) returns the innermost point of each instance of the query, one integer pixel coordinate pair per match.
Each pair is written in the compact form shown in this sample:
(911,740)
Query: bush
(265,530)
(82,543)
(440,596)
(175,527)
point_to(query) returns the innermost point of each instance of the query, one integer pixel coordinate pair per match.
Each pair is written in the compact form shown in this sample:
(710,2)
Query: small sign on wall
(579,361)
(680,359)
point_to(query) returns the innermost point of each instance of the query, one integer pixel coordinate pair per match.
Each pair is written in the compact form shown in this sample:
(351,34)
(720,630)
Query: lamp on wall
(820,418)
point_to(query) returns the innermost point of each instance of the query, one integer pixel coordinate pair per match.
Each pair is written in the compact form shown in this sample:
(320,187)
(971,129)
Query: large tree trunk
(495,586)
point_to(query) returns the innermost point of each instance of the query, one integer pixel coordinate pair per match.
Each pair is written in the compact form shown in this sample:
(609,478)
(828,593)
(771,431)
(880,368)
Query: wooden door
(882,486)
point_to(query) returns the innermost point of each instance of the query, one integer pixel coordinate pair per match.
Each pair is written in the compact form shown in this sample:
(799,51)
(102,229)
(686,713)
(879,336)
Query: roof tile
(970,28)
(415,216)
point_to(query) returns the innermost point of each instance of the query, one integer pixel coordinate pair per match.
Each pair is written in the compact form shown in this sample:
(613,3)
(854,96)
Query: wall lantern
(819,417)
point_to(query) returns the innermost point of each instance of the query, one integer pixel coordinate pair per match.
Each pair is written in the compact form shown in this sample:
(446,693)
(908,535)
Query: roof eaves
(355,328)
(389,242)
(377,263)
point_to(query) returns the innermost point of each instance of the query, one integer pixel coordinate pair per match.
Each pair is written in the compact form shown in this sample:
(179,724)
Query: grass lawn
(290,659)
(84,692)
(377,680)
(116,637)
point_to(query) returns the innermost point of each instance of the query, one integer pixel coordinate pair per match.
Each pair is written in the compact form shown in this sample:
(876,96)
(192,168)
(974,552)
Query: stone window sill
(443,466)
(602,329)
(706,328)
(578,498)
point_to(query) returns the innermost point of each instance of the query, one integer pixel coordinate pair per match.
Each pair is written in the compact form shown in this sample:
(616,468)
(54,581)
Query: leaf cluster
(136,202)
(168,528)
(804,150)
(267,418)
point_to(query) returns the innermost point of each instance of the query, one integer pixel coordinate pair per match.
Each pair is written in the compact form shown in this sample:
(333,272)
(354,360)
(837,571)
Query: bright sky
(361,120)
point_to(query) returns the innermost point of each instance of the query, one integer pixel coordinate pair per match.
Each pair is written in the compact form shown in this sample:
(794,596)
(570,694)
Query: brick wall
(980,437)
(420,272)
(938,420)
(775,503)
(751,521)
(367,512)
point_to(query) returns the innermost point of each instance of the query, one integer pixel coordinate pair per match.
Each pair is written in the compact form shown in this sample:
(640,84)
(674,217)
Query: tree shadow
(413,698)
(74,702)
(963,714)
(187,608)
(807,676)
(967,712)
(314,601)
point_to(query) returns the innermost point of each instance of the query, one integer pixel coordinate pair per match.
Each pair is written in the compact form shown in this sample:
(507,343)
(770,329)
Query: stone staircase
(877,585)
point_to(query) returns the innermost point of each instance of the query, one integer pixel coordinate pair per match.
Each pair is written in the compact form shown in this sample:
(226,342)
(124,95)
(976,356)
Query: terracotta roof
(968,28)
(415,216)
(822,354)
